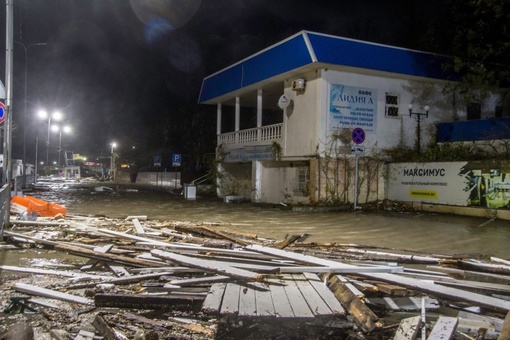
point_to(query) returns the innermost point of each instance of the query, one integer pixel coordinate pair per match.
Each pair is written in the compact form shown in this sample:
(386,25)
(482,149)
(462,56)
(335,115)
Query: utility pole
(7,166)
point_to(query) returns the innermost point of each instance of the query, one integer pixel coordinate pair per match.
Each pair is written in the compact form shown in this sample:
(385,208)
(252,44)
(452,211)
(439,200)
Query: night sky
(115,68)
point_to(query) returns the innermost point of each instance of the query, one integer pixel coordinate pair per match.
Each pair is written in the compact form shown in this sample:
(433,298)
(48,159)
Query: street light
(65,129)
(56,116)
(26,48)
(419,116)
(112,161)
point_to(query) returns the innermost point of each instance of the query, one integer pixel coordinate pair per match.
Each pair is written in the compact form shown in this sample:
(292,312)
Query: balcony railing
(255,136)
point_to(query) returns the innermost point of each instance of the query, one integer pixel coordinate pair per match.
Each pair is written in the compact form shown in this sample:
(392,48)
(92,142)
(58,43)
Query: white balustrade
(252,136)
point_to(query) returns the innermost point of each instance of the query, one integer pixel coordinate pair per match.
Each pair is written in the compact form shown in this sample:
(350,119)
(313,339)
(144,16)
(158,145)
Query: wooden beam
(120,259)
(408,328)
(444,328)
(147,301)
(363,315)
(34,290)
(210,266)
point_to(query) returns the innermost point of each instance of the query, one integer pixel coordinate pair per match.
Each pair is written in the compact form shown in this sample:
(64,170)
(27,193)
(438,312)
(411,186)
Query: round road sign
(358,135)
(2,112)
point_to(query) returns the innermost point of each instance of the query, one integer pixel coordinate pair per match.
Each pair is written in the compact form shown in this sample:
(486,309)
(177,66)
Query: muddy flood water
(431,233)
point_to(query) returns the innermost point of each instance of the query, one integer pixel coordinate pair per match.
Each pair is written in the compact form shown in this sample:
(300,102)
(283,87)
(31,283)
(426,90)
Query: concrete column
(238,113)
(256,171)
(259,113)
(237,117)
(218,119)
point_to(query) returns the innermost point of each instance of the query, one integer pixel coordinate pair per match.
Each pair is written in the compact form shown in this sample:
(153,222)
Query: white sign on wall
(351,106)
(483,184)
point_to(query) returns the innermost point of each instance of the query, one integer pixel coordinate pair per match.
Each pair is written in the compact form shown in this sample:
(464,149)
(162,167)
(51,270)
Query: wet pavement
(431,233)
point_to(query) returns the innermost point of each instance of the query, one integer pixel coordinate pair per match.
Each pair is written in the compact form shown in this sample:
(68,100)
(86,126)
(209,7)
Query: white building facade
(303,112)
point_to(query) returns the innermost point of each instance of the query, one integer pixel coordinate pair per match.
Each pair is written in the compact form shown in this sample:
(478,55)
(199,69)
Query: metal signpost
(358,137)
(176,161)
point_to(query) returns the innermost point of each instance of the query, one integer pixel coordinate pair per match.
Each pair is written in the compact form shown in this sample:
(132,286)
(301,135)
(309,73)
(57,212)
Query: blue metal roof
(306,48)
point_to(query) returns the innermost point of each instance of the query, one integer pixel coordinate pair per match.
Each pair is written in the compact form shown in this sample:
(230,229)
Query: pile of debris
(146,279)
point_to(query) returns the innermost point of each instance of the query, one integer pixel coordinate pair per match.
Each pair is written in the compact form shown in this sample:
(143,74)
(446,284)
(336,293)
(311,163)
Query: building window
(391,108)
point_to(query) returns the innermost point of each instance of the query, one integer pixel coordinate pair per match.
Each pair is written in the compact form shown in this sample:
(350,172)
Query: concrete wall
(301,120)
(171,180)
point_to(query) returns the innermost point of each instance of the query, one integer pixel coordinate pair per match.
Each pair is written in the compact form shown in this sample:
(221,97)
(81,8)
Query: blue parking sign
(157,160)
(176,159)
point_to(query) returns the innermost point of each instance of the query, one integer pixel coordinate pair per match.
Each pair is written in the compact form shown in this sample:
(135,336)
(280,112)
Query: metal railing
(252,136)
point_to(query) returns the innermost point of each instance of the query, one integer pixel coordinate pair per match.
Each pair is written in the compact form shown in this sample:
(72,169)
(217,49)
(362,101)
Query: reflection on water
(440,234)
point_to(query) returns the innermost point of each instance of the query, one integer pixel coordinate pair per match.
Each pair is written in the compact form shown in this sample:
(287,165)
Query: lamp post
(419,116)
(26,48)
(56,116)
(112,161)
(65,129)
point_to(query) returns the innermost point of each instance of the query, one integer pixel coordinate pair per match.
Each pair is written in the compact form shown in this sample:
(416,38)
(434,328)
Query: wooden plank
(51,272)
(341,269)
(147,301)
(84,335)
(282,306)
(391,304)
(288,241)
(408,328)
(444,328)
(313,299)
(505,331)
(212,303)
(352,303)
(211,266)
(121,259)
(138,226)
(230,303)
(297,301)
(118,270)
(325,293)
(34,290)
(123,280)
(247,304)
(456,294)
(223,235)
(264,303)
(200,280)
(495,322)
(430,304)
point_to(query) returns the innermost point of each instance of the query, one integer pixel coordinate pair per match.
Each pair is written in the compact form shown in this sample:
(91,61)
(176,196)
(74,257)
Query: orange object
(42,208)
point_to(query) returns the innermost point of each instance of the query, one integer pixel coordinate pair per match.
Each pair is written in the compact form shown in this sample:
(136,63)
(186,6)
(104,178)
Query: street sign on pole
(358,135)
(2,112)
(157,160)
(176,159)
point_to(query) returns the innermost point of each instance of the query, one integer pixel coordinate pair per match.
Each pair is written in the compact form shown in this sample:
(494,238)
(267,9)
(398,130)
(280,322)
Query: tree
(477,34)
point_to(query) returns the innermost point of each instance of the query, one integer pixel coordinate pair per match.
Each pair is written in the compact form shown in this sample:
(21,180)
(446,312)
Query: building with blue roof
(293,118)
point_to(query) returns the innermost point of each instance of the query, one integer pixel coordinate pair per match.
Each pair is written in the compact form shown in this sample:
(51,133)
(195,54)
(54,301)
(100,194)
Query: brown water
(433,233)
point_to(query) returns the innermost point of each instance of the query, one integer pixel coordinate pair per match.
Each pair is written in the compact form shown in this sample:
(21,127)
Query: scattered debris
(141,278)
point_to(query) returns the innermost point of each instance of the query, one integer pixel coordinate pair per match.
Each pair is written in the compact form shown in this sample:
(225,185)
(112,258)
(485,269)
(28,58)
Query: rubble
(149,279)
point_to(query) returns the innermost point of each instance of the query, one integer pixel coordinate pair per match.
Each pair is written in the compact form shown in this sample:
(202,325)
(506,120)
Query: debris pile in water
(148,279)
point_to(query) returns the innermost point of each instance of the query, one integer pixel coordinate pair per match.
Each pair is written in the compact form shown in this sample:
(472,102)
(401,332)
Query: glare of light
(57,115)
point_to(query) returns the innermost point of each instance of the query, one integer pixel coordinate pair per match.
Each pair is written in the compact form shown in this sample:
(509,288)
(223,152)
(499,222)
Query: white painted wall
(302,121)
(307,125)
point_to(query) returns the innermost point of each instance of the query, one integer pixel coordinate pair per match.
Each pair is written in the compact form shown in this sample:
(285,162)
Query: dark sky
(116,67)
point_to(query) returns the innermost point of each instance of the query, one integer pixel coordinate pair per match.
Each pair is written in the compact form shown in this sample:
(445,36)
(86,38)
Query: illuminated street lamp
(419,116)
(66,129)
(43,114)
(112,160)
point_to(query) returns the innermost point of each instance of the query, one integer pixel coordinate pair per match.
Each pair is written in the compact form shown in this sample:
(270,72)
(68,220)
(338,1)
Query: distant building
(291,117)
